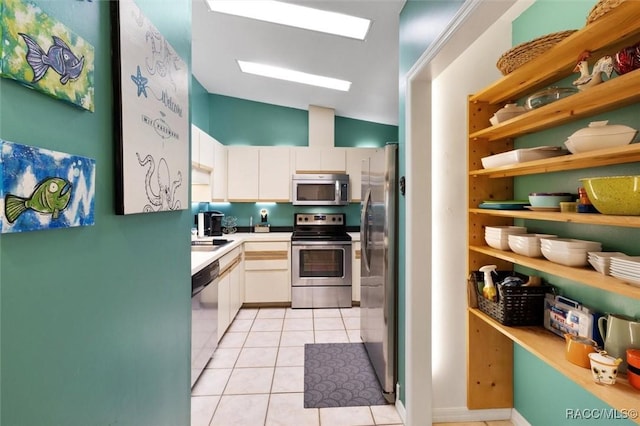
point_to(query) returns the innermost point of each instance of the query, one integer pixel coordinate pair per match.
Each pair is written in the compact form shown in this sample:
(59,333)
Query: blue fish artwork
(43,189)
(50,196)
(42,53)
(60,58)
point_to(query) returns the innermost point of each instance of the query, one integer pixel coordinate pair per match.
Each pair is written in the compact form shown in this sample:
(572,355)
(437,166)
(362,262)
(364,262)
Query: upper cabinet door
(219,191)
(207,147)
(242,173)
(320,160)
(274,177)
(195,146)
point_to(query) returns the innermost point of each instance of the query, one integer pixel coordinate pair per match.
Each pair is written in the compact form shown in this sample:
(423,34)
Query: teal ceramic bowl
(619,195)
(549,199)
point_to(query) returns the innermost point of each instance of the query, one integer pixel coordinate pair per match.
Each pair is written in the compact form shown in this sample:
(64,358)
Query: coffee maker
(209,224)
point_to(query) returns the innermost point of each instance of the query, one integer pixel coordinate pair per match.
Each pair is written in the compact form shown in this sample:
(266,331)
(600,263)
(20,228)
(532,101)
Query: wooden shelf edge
(614,93)
(601,157)
(585,218)
(550,349)
(583,275)
(618,25)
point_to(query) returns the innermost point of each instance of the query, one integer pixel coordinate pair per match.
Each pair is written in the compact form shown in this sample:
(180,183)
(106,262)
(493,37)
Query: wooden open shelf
(490,377)
(599,158)
(611,32)
(585,218)
(612,94)
(584,275)
(550,349)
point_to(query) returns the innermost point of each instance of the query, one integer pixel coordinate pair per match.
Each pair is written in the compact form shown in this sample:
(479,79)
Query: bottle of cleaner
(489,289)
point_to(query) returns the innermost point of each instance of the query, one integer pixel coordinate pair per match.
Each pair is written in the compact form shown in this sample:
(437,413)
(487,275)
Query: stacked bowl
(527,244)
(567,251)
(498,236)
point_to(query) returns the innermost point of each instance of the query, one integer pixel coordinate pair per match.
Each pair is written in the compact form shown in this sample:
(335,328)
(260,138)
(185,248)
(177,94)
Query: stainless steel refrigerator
(378,270)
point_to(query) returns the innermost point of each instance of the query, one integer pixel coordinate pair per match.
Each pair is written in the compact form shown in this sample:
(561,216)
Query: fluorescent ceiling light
(295,16)
(295,76)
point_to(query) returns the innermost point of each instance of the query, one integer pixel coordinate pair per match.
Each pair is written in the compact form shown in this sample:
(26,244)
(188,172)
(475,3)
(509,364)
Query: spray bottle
(489,289)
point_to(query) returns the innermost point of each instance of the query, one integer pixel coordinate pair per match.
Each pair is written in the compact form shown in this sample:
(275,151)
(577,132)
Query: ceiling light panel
(295,16)
(295,76)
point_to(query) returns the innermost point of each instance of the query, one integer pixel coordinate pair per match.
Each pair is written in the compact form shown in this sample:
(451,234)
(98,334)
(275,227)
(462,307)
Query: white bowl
(599,135)
(504,230)
(570,243)
(497,243)
(507,112)
(526,250)
(565,258)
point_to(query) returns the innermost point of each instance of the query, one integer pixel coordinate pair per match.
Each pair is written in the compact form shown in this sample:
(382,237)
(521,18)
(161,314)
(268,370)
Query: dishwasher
(204,317)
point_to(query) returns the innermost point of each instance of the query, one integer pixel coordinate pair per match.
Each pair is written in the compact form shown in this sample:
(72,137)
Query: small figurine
(587,79)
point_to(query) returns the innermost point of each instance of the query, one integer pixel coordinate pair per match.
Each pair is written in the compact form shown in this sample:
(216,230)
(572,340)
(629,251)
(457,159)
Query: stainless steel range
(320,261)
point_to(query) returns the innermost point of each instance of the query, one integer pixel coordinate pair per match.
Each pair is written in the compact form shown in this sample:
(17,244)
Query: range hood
(321,127)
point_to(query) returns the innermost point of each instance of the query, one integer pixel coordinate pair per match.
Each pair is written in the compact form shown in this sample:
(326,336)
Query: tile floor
(256,376)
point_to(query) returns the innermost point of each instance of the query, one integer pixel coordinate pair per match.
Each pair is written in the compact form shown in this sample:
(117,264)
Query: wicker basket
(524,52)
(515,305)
(601,8)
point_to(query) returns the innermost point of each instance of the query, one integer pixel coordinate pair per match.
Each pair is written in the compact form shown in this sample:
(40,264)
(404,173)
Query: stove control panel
(320,218)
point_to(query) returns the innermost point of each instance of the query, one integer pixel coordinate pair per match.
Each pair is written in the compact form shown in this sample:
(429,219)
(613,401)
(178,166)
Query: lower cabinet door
(267,286)
(223,306)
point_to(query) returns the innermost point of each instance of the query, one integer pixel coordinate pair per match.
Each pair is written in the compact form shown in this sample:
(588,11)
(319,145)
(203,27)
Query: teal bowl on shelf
(549,199)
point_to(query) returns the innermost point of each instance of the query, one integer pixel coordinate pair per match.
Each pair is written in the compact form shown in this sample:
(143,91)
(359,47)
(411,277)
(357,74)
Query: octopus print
(164,198)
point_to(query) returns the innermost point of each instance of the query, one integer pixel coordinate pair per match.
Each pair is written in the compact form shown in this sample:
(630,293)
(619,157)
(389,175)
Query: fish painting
(59,58)
(50,196)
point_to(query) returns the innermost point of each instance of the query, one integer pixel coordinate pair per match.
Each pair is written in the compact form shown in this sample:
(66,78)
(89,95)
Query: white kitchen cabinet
(258,174)
(202,149)
(274,182)
(320,160)
(354,170)
(242,173)
(267,272)
(355,271)
(219,174)
(230,289)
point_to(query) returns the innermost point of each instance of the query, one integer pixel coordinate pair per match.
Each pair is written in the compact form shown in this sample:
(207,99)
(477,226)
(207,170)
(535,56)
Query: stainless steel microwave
(320,190)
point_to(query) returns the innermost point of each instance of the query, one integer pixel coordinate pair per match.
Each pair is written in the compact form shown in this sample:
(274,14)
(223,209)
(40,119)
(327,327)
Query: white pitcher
(619,334)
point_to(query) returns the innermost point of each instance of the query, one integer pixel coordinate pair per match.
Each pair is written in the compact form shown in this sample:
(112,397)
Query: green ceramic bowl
(618,195)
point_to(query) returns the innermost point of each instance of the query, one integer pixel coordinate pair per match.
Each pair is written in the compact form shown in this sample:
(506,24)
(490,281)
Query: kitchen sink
(209,245)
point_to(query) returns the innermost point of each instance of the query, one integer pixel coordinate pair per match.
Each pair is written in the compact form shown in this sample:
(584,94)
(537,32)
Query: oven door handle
(364,220)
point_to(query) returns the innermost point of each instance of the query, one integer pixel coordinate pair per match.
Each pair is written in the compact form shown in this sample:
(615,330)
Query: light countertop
(200,259)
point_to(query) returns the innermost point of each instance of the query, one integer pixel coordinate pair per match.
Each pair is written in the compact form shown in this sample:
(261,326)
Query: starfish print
(141,82)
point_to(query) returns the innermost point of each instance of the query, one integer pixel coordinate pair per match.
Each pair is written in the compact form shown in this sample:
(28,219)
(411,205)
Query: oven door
(320,263)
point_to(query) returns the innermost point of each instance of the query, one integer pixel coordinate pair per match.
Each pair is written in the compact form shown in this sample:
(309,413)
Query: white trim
(463,414)
(517,419)
(438,44)
(402,412)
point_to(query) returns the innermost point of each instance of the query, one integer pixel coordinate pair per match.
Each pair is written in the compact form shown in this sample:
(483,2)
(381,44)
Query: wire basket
(516,305)
(519,55)
(601,8)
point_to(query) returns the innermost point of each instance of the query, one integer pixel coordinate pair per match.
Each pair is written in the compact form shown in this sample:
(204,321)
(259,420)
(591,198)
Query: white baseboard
(463,414)
(402,412)
(518,420)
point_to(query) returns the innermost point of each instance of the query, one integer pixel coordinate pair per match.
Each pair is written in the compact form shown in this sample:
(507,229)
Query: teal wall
(350,132)
(94,323)
(199,105)
(536,384)
(235,121)
(421,22)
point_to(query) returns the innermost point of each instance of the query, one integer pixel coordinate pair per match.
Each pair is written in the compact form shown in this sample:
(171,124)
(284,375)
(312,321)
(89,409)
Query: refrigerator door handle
(364,220)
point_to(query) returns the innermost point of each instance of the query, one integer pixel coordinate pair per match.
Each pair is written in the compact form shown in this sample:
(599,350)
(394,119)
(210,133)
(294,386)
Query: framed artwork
(42,53)
(152,99)
(43,189)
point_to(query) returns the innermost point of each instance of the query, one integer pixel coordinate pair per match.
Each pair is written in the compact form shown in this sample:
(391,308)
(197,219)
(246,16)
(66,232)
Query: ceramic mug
(604,368)
(578,349)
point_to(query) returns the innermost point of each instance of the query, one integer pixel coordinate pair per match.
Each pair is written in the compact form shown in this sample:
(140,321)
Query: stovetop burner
(320,227)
